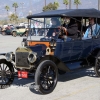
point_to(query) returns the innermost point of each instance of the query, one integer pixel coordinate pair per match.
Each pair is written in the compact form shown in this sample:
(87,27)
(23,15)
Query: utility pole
(22,7)
(45,2)
(69,4)
(30,4)
(98,4)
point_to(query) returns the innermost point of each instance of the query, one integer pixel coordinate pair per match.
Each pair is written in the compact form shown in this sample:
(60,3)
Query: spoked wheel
(6,73)
(97,67)
(14,34)
(46,77)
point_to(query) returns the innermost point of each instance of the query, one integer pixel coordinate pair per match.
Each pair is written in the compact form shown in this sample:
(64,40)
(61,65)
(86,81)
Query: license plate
(22,74)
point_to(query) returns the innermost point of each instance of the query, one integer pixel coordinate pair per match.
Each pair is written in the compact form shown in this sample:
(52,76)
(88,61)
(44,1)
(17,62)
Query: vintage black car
(52,55)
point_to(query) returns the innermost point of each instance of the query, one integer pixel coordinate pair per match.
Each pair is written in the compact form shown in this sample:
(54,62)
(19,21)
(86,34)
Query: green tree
(77,2)
(51,6)
(66,2)
(13,18)
(7,8)
(56,4)
(15,5)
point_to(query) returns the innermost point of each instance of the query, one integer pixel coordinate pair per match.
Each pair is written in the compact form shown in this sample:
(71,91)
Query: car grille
(21,59)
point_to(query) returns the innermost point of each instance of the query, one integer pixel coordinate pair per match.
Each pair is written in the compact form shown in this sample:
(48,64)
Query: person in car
(71,29)
(54,28)
(92,29)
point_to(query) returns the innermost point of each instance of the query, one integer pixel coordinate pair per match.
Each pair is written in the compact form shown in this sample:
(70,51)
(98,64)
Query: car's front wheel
(6,73)
(46,77)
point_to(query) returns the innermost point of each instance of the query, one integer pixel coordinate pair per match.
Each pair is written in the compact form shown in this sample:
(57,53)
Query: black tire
(14,34)
(97,67)
(6,74)
(20,35)
(46,77)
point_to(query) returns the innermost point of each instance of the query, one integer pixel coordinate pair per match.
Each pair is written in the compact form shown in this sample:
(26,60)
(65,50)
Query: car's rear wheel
(97,65)
(46,77)
(6,74)
(14,34)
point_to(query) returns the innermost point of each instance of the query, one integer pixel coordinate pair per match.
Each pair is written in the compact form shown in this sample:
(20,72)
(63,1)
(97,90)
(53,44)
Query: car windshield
(46,27)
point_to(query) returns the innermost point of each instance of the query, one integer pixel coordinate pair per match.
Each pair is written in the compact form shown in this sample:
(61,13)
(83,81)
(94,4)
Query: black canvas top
(68,12)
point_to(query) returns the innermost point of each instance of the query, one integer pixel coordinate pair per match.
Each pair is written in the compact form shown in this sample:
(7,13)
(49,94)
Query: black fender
(61,66)
(2,54)
(95,52)
(93,55)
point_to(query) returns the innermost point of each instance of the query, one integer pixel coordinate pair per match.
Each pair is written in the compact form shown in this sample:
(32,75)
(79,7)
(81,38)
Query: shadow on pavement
(62,78)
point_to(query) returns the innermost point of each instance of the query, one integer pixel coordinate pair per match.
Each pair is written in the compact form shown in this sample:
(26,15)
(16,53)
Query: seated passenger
(92,29)
(54,28)
(71,29)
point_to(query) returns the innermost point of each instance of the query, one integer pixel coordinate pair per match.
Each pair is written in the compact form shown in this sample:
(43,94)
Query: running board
(74,65)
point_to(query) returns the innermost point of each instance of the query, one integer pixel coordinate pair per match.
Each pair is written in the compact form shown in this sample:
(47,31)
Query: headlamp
(32,57)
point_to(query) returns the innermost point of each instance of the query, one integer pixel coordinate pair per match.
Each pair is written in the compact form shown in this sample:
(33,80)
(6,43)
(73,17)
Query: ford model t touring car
(51,55)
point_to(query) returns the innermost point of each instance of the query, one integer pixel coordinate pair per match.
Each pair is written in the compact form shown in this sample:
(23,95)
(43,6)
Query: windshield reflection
(46,27)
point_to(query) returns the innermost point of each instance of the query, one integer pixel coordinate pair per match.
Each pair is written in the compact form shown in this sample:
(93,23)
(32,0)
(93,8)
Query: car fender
(61,66)
(2,54)
(95,51)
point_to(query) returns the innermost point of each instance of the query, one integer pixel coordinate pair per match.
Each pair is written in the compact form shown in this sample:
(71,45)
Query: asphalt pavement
(78,85)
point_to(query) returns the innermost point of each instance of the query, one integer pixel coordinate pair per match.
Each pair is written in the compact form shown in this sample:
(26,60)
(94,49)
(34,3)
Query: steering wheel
(62,31)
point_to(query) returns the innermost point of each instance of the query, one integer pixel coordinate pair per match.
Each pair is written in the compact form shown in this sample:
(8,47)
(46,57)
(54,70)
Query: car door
(63,50)
(77,49)
(87,47)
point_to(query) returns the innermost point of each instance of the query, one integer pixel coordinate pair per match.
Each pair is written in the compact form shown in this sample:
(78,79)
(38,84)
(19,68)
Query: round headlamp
(32,57)
(9,56)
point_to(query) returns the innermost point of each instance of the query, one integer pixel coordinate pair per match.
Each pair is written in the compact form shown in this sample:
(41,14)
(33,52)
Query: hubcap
(47,77)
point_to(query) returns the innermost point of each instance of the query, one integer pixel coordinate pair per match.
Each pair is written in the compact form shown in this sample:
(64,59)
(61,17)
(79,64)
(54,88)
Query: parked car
(6,30)
(51,55)
(20,30)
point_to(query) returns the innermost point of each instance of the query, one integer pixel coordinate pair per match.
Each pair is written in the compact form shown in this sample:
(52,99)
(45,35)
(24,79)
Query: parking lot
(78,85)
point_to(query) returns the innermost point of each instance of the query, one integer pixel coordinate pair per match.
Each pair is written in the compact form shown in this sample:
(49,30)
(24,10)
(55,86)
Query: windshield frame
(45,28)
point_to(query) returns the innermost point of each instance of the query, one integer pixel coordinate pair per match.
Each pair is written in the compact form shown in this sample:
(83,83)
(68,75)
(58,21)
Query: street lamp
(69,4)
(22,3)
(98,4)
(30,12)
(30,4)
(45,2)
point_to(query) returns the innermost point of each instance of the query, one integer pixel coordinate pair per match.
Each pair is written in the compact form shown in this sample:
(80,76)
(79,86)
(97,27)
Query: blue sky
(37,5)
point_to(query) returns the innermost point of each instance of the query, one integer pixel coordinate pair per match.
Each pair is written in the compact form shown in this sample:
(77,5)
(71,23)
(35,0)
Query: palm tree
(56,4)
(66,2)
(7,8)
(77,2)
(15,5)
